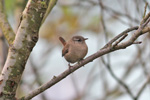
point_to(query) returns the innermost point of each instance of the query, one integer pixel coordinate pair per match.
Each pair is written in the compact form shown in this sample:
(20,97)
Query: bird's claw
(69,67)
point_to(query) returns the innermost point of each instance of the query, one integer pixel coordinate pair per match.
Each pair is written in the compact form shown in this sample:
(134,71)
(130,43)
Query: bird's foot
(69,67)
(80,61)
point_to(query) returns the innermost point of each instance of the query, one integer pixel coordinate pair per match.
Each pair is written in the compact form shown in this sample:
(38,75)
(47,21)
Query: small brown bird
(75,49)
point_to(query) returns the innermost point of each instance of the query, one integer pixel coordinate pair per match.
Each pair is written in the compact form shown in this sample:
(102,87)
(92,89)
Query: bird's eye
(79,40)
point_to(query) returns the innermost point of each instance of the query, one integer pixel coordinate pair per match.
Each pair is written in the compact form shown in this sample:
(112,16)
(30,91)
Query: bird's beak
(85,38)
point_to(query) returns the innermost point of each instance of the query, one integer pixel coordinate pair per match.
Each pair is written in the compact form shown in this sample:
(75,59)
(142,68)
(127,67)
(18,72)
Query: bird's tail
(62,40)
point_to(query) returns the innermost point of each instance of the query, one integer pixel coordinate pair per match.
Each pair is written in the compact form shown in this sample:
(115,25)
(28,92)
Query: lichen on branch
(19,51)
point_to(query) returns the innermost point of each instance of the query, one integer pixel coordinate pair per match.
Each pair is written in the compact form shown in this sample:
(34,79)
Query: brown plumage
(75,49)
(62,41)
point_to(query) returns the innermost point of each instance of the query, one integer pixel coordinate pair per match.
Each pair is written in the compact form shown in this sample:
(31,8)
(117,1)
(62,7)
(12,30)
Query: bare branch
(5,26)
(104,28)
(137,42)
(117,42)
(117,79)
(120,13)
(145,9)
(52,3)
(142,88)
(106,49)
(38,80)
(145,18)
(102,21)
(120,35)
(26,38)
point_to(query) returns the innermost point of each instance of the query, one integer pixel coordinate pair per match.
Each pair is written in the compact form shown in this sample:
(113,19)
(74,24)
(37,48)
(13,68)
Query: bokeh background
(100,21)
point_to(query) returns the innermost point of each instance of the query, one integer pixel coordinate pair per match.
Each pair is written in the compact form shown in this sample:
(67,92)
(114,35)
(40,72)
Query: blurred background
(100,21)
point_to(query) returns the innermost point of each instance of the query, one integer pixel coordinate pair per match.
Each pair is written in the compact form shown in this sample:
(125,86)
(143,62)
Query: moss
(9,88)
(43,4)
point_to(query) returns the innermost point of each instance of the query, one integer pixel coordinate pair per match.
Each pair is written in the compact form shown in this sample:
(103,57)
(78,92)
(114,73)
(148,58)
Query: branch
(104,27)
(19,51)
(141,30)
(108,9)
(142,88)
(5,26)
(117,79)
(102,20)
(3,50)
(145,9)
(122,38)
(120,35)
(37,75)
(51,4)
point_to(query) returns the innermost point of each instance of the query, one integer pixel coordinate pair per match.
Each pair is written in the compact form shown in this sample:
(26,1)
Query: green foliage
(10,5)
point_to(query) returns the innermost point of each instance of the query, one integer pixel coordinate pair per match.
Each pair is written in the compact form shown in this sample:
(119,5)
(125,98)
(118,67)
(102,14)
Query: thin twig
(137,42)
(145,9)
(145,18)
(104,28)
(120,35)
(120,13)
(103,22)
(51,4)
(117,79)
(142,88)
(37,75)
(147,2)
(75,85)
(117,42)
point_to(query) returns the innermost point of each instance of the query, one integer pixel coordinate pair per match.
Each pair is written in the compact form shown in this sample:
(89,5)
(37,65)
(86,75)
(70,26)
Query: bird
(75,49)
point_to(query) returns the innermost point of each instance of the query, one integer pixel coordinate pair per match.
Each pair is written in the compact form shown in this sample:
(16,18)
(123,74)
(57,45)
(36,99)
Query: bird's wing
(62,40)
(65,50)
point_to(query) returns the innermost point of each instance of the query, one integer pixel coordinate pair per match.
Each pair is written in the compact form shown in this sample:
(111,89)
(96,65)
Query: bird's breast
(76,52)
